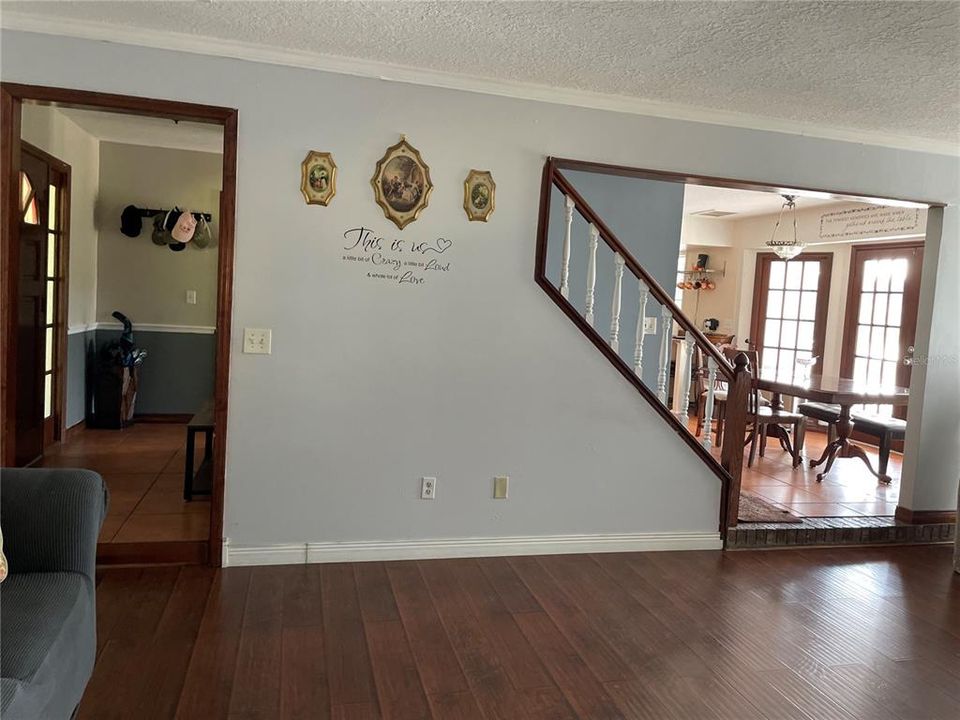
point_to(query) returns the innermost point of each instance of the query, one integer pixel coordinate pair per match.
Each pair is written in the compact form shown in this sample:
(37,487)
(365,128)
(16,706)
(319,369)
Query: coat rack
(150,212)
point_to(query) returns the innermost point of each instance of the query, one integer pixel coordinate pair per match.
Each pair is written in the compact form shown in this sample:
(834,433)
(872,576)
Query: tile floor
(848,491)
(143,468)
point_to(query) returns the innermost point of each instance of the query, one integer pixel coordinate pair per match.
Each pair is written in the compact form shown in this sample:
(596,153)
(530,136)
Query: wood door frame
(759,308)
(12,97)
(60,300)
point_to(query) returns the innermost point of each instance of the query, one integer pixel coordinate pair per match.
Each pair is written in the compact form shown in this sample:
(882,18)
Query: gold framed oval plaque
(479,195)
(401,183)
(318,178)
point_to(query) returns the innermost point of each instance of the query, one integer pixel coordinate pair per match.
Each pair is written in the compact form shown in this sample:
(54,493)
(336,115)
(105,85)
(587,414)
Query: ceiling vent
(714,213)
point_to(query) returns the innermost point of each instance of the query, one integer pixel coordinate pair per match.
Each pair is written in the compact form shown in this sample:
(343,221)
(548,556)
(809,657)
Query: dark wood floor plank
(399,689)
(516,596)
(439,668)
(579,686)
(482,667)
(114,589)
(349,671)
(256,683)
(304,693)
(207,689)
(130,636)
(377,603)
(792,635)
(519,659)
(805,695)
(599,656)
(302,596)
(164,667)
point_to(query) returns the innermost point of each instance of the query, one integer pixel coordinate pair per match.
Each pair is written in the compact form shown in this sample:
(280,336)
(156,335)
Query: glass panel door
(789,310)
(881,317)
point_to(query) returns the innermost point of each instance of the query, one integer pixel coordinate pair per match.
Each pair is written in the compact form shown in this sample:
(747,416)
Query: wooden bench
(199,482)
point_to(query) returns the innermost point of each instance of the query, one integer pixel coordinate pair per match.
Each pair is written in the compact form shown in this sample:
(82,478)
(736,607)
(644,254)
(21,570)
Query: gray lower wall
(176,377)
(80,347)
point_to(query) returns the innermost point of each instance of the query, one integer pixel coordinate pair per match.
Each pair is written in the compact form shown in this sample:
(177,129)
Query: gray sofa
(50,519)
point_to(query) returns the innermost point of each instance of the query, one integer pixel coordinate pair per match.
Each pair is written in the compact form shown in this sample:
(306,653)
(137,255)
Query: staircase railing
(582,250)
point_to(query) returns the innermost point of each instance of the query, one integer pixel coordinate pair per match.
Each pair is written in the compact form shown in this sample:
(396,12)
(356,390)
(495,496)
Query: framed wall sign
(479,192)
(401,183)
(318,178)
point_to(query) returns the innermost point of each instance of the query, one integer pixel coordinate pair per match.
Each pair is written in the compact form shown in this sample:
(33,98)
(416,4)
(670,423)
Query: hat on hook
(185,227)
(131,222)
(203,236)
(159,235)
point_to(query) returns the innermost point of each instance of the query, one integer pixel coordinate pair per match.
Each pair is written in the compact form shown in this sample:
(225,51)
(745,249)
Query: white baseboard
(144,327)
(364,551)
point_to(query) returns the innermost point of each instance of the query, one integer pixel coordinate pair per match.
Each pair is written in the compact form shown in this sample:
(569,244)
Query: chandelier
(786,249)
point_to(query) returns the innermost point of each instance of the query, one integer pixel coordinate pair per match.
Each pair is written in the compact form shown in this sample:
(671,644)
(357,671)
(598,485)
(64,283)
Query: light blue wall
(646,216)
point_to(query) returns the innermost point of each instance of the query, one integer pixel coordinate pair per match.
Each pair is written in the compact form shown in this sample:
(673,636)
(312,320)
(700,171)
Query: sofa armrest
(51,518)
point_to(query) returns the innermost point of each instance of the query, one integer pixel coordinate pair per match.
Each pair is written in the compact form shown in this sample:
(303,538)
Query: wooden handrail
(588,214)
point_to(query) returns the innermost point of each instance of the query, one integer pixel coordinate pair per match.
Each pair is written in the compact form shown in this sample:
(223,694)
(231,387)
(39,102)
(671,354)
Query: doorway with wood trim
(30,286)
(44,193)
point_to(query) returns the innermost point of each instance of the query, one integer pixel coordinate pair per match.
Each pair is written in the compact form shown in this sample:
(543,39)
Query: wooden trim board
(925,517)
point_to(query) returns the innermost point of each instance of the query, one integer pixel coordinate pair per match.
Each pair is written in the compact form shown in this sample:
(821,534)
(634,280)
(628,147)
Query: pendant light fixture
(786,249)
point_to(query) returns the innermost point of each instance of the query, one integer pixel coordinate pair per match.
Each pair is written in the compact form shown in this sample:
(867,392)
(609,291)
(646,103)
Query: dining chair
(760,416)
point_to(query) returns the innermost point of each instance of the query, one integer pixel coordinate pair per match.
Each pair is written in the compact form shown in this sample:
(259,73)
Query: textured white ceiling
(886,68)
(744,203)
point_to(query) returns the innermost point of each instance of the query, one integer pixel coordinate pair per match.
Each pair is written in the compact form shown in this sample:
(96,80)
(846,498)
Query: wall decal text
(396,260)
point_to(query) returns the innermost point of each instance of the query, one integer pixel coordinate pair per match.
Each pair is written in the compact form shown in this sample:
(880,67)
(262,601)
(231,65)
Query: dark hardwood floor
(869,633)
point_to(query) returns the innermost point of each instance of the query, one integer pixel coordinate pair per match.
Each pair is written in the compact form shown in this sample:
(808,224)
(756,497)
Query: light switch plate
(191,297)
(257,341)
(649,326)
(501,485)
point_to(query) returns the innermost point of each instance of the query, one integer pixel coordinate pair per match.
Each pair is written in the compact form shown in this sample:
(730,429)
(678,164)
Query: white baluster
(665,323)
(565,263)
(708,408)
(618,263)
(591,271)
(641,316)
(687,369)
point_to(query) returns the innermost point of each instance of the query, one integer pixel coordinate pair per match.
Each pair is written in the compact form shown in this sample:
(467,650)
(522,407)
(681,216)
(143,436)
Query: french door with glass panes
(881,317)
(790,300)
(44,185)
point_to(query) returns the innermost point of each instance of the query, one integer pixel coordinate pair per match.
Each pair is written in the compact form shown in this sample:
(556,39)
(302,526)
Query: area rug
(756,509)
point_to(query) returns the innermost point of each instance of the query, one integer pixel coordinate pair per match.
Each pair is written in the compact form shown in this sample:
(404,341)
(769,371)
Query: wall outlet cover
(428,488)
(191,297)
(501,485)
(649,326)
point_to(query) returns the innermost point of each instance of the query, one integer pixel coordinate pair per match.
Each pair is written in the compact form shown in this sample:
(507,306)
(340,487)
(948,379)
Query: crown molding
(202,45)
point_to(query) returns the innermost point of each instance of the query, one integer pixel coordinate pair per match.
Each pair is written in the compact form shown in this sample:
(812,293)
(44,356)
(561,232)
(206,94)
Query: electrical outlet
(428,488)
(257,340)
(191,297)
(500,486)
(649,326)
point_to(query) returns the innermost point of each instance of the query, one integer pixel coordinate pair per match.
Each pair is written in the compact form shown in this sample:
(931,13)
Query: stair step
(838,531)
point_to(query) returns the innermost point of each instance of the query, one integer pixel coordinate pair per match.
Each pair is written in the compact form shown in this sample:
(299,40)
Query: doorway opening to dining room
(130,358)
(821,293)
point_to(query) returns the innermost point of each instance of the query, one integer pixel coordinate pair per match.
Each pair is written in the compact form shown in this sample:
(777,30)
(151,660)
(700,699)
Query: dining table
(834,390)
